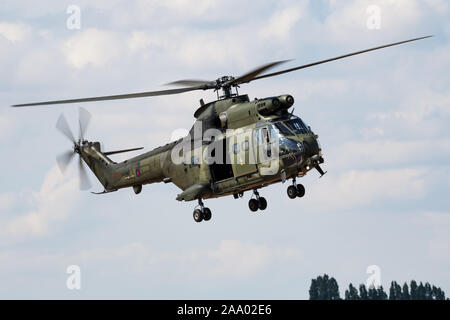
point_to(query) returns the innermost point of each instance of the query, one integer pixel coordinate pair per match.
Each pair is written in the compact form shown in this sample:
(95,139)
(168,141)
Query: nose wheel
(296,190)
(202,213)
(260,203)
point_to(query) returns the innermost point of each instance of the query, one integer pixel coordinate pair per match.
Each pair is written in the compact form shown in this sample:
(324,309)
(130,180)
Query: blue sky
(382,119)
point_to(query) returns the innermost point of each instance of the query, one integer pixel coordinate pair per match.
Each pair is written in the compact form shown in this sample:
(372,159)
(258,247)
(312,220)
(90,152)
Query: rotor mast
(226,84)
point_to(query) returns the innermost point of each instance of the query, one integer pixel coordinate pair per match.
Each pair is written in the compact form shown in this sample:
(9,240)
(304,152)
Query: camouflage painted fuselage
(247,130)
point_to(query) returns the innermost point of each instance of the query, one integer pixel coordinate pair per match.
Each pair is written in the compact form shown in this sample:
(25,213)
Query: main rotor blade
(189,83)
(337,58)
(84,179)
(83,119)
(249,76)
(64,160)
(64,128)
(115,97)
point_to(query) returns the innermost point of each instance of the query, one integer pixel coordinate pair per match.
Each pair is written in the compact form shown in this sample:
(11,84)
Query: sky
(382,120)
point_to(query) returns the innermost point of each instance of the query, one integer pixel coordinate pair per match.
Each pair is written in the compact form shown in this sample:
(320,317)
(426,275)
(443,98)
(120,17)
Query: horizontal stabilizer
(104,191)
(121,151)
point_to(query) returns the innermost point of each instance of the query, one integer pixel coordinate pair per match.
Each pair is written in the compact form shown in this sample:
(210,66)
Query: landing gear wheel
(253,204)
(262,203)
(206,214)
(300,190)
(292,192)
(198,215)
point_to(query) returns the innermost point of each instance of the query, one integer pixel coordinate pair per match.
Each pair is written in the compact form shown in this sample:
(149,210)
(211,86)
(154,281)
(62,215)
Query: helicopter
(235,145)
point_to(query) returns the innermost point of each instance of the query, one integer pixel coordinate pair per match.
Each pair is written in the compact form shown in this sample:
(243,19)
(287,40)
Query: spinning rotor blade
(115,97)
(220,83)
(247,77)
(83,120)
(64,160)
(251,75)
(190,83)
(337,58)
(64,128)
(84,180)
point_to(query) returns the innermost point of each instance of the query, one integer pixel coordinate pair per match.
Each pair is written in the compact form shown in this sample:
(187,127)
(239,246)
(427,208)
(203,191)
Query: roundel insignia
(138,173)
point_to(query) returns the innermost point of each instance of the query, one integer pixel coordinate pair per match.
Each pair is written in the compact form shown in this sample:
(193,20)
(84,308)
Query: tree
(392,293)
(437,294)
(363,292)
(405,293)
(395,291)
(420,292)
(428,292)
(381,295)
(351,293)
(324,288)
(372,293)
(333,290)
(314,290)
(413,291)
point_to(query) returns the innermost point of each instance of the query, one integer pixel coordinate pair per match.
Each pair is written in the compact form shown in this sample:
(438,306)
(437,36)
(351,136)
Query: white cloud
(439,243)
(14,32)
(281,23)
(51,204)
(92,47)
(388,153)
(6,201)
(239,259)
(359,188)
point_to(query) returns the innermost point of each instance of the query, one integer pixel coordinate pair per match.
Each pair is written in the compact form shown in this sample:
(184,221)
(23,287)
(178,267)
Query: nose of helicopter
(311,146)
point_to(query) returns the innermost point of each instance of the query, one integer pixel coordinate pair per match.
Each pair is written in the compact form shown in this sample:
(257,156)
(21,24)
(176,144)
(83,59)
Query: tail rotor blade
(64,160)
(84,119)
(64,128)
(84,180)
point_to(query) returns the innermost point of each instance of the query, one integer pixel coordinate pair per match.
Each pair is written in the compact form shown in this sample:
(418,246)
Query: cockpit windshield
(297,125)
(279,132)
(283,130)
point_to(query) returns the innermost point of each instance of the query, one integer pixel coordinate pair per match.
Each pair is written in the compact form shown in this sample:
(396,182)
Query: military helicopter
(235,145)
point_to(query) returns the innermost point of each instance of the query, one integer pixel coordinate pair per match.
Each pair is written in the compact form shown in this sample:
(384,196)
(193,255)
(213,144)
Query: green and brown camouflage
(200,179)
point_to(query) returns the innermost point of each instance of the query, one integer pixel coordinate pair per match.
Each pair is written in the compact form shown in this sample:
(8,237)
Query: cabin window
(245,145)
(236,148)
(195,160)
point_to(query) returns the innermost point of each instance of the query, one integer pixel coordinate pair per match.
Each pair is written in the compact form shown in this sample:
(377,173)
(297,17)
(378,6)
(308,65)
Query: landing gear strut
(203,213)
(258,203)
(296,190)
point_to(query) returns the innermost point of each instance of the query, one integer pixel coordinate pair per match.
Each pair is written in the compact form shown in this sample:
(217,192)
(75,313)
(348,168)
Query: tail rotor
(65,158)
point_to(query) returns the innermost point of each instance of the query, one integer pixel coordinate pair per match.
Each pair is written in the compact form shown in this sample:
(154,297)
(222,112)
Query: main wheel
(198,215)
(292,192)
(300,190)
(253,204)
(206,214)
(262,203)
